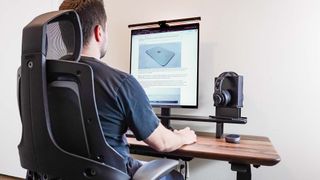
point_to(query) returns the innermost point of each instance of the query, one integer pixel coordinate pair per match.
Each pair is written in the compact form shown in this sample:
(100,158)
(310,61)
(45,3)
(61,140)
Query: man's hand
(187,135)
(163,139)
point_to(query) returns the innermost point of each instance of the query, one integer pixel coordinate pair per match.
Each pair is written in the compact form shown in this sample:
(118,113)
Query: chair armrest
(155,169)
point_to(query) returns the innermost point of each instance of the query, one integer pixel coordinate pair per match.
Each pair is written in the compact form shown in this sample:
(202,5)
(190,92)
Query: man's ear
(98,34)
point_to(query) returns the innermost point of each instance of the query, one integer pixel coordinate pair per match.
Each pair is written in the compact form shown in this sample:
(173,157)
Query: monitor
(165,61)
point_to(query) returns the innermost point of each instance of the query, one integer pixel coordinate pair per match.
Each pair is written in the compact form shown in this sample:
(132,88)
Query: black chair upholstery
(62,136)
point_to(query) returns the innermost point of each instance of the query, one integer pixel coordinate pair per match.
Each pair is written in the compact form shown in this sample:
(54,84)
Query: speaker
(228,90)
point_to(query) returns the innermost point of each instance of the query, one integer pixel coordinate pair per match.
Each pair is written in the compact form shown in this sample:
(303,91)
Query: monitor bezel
(170,29)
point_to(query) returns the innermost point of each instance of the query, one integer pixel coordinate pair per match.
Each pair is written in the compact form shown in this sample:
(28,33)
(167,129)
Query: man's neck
(90,51)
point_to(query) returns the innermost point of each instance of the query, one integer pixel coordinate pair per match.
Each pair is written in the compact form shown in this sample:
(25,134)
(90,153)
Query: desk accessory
(233,138)
(228,99)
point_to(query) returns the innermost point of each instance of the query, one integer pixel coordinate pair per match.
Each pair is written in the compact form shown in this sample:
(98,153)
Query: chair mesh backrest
(66,119)
(63,93)
(66,102)
(60,40)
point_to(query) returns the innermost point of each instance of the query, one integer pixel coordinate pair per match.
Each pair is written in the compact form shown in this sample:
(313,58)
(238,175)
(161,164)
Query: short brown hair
(91,13)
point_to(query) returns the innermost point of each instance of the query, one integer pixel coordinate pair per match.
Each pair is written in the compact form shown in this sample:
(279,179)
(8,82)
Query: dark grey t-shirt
(122,104)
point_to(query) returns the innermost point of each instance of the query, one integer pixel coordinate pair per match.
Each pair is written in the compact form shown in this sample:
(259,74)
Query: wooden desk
(252,150)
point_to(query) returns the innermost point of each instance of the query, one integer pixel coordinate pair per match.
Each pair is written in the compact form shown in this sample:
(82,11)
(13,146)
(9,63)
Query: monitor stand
(165,119)
(223,115)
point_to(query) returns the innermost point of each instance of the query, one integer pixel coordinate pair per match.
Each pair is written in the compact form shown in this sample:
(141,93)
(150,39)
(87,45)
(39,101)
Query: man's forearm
(165,140)
(172,141)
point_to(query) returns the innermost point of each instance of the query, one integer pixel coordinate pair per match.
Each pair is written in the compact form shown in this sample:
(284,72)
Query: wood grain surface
(254,150)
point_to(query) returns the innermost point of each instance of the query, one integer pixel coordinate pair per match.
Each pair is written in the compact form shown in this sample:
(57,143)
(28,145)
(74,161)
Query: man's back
(121,103)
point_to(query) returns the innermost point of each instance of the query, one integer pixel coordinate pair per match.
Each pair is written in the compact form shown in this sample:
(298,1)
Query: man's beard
(103,49)
(103,52)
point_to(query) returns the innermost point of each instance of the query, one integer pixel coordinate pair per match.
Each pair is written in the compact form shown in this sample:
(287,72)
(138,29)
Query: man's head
(93,21)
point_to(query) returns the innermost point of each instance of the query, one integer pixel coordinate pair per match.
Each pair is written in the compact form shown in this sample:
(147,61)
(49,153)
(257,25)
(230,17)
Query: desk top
(254,150)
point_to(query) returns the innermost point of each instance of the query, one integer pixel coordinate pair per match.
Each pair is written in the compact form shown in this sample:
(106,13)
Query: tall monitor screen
(165,62)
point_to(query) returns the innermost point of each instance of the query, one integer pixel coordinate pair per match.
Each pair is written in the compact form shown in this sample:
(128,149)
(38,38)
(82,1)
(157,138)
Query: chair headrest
(56,35)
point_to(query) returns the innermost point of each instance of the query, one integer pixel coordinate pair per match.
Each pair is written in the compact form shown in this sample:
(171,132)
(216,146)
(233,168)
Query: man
(121,101)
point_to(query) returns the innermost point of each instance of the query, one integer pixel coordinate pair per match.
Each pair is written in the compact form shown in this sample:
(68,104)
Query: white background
(274,44)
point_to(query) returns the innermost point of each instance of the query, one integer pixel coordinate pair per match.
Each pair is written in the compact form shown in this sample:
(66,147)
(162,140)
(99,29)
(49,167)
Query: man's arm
(164,140)
(145,125)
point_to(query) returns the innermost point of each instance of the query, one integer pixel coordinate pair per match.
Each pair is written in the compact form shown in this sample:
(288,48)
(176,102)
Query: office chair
(61,132)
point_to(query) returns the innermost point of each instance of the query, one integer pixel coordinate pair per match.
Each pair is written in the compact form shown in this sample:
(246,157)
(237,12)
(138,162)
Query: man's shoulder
(103,70)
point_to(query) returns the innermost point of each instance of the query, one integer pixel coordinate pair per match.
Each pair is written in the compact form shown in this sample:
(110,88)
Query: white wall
(275,44)
(14,15)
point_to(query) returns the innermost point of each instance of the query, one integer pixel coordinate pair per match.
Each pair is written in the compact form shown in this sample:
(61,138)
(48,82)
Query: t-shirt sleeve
(134,103)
